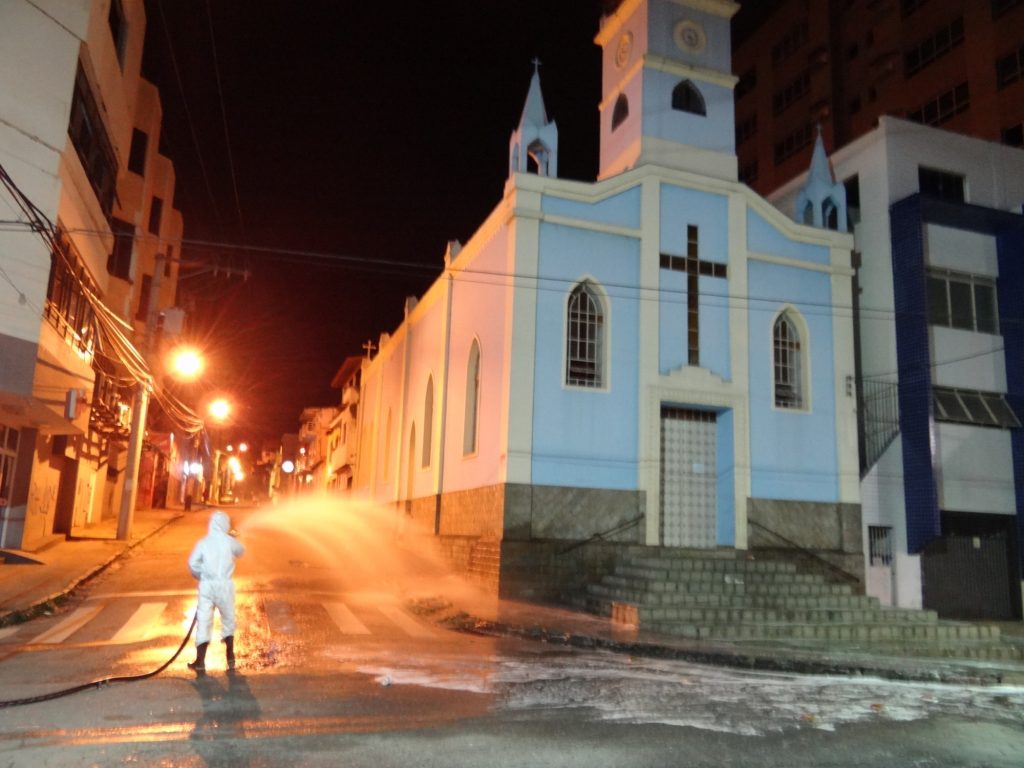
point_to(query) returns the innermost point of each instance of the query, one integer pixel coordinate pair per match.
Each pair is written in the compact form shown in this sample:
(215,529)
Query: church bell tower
(533,147)
(667,87)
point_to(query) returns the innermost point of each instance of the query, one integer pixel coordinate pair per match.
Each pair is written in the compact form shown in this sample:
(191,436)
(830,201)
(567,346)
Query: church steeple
(667,87)
(533,147)
(821,197)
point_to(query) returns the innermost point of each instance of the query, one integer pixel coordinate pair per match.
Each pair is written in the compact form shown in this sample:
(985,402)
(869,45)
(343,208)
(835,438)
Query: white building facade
(79,139)
(940,237)
(653,358)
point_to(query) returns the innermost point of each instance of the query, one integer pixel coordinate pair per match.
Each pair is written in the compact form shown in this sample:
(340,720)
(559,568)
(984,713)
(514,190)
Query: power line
(111,328)
(188,113)
(224,119)
(634,292)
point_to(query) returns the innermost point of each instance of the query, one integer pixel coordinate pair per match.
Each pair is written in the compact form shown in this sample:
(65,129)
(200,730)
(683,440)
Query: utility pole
(140,408)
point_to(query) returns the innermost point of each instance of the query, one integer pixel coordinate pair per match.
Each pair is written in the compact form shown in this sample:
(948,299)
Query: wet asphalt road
(335,669)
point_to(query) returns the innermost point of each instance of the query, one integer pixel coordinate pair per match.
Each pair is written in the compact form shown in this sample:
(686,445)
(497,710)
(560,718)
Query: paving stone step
(718,596)
(859,609)
(657,573)
(731,588)
(601,605)
(736,598)
(821,616)
(844,633)
(717,565)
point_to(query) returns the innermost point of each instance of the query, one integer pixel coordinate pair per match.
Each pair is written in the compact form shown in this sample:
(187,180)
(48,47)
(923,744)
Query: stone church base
(547,542)
(810,532)
(522,540)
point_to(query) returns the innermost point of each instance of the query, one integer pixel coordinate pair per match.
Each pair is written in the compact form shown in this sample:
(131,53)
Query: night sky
(361,137)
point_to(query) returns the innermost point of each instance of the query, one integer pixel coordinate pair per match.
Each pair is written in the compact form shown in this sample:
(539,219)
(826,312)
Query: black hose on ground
(105,681)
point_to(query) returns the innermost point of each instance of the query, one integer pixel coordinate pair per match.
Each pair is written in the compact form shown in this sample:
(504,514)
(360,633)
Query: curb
(938,671)
(21,615)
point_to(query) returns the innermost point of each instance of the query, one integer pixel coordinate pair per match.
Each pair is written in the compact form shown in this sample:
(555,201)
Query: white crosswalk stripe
(345,620)
(279,616)
(361,619)
(405,622)
(140,626)
(64,629)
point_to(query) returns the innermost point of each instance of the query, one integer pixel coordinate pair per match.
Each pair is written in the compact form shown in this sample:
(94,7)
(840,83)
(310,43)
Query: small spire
(535,139)
(820,170)
(821,195)
(534,111)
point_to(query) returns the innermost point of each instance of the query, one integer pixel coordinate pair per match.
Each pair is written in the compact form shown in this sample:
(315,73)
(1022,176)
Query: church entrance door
(688,477)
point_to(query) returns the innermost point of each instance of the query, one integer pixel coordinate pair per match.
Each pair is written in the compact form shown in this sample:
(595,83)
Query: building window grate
(880,544)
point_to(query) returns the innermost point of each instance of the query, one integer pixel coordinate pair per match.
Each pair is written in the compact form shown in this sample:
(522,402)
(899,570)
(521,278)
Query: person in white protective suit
(212,562)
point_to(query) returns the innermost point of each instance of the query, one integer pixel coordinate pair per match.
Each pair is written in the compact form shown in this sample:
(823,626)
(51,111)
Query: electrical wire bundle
(112,338)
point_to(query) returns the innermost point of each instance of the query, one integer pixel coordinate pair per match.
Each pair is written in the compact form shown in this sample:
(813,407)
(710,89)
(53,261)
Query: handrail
(601,534)
(830,565)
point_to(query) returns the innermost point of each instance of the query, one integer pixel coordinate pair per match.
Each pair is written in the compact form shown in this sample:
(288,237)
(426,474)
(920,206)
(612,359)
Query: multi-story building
(79,137)
(939,304)
(343,431)
(842,64)
(311,466)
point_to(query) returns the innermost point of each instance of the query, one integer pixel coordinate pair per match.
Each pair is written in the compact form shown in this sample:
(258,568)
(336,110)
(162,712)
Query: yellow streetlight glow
(186,363)
(220,408)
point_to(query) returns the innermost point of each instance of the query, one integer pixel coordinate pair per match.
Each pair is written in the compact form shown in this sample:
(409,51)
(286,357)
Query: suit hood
(220,523)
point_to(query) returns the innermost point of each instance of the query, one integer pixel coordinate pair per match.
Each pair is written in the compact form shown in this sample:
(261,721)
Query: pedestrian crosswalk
(345,620)
(68,626)
(131,618)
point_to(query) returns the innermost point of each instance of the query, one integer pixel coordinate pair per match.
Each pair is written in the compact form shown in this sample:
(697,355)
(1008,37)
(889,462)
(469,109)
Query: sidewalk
(30,582)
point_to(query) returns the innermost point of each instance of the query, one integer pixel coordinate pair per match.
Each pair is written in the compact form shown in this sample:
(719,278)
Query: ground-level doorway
(689,477)
(970,571)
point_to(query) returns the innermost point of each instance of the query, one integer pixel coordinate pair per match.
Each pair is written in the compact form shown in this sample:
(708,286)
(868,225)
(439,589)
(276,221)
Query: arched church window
(789,362)
(469,428)
(621,111)
(428,420)
(686,98)
(585,338)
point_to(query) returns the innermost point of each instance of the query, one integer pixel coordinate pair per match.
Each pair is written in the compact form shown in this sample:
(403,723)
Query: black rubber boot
(229,648)
(199,665)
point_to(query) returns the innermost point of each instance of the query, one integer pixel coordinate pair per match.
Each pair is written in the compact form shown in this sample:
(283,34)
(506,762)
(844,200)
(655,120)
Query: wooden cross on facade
(369,346)
(694,268)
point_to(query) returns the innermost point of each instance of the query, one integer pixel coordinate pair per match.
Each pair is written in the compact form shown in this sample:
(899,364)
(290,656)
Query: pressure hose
(105,681)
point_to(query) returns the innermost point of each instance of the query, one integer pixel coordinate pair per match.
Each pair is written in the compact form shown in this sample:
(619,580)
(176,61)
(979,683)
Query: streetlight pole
(130,489)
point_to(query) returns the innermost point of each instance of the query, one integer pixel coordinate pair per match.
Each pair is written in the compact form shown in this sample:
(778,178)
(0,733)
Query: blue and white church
(658,357)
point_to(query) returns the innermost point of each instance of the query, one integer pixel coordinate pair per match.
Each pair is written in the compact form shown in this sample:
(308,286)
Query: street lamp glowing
(186,363)
(287,466)
(220,408)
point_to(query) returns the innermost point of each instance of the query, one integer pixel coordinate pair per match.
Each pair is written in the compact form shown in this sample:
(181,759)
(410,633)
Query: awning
(25,412)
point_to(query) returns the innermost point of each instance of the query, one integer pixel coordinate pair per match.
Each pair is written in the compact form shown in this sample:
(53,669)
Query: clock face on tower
(689,36)
(625,47)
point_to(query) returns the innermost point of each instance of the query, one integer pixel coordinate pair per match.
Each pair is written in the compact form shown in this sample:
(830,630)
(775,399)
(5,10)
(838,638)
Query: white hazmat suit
(212,562)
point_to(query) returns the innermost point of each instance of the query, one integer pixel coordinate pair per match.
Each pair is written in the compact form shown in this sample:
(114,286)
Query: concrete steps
(717,596)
